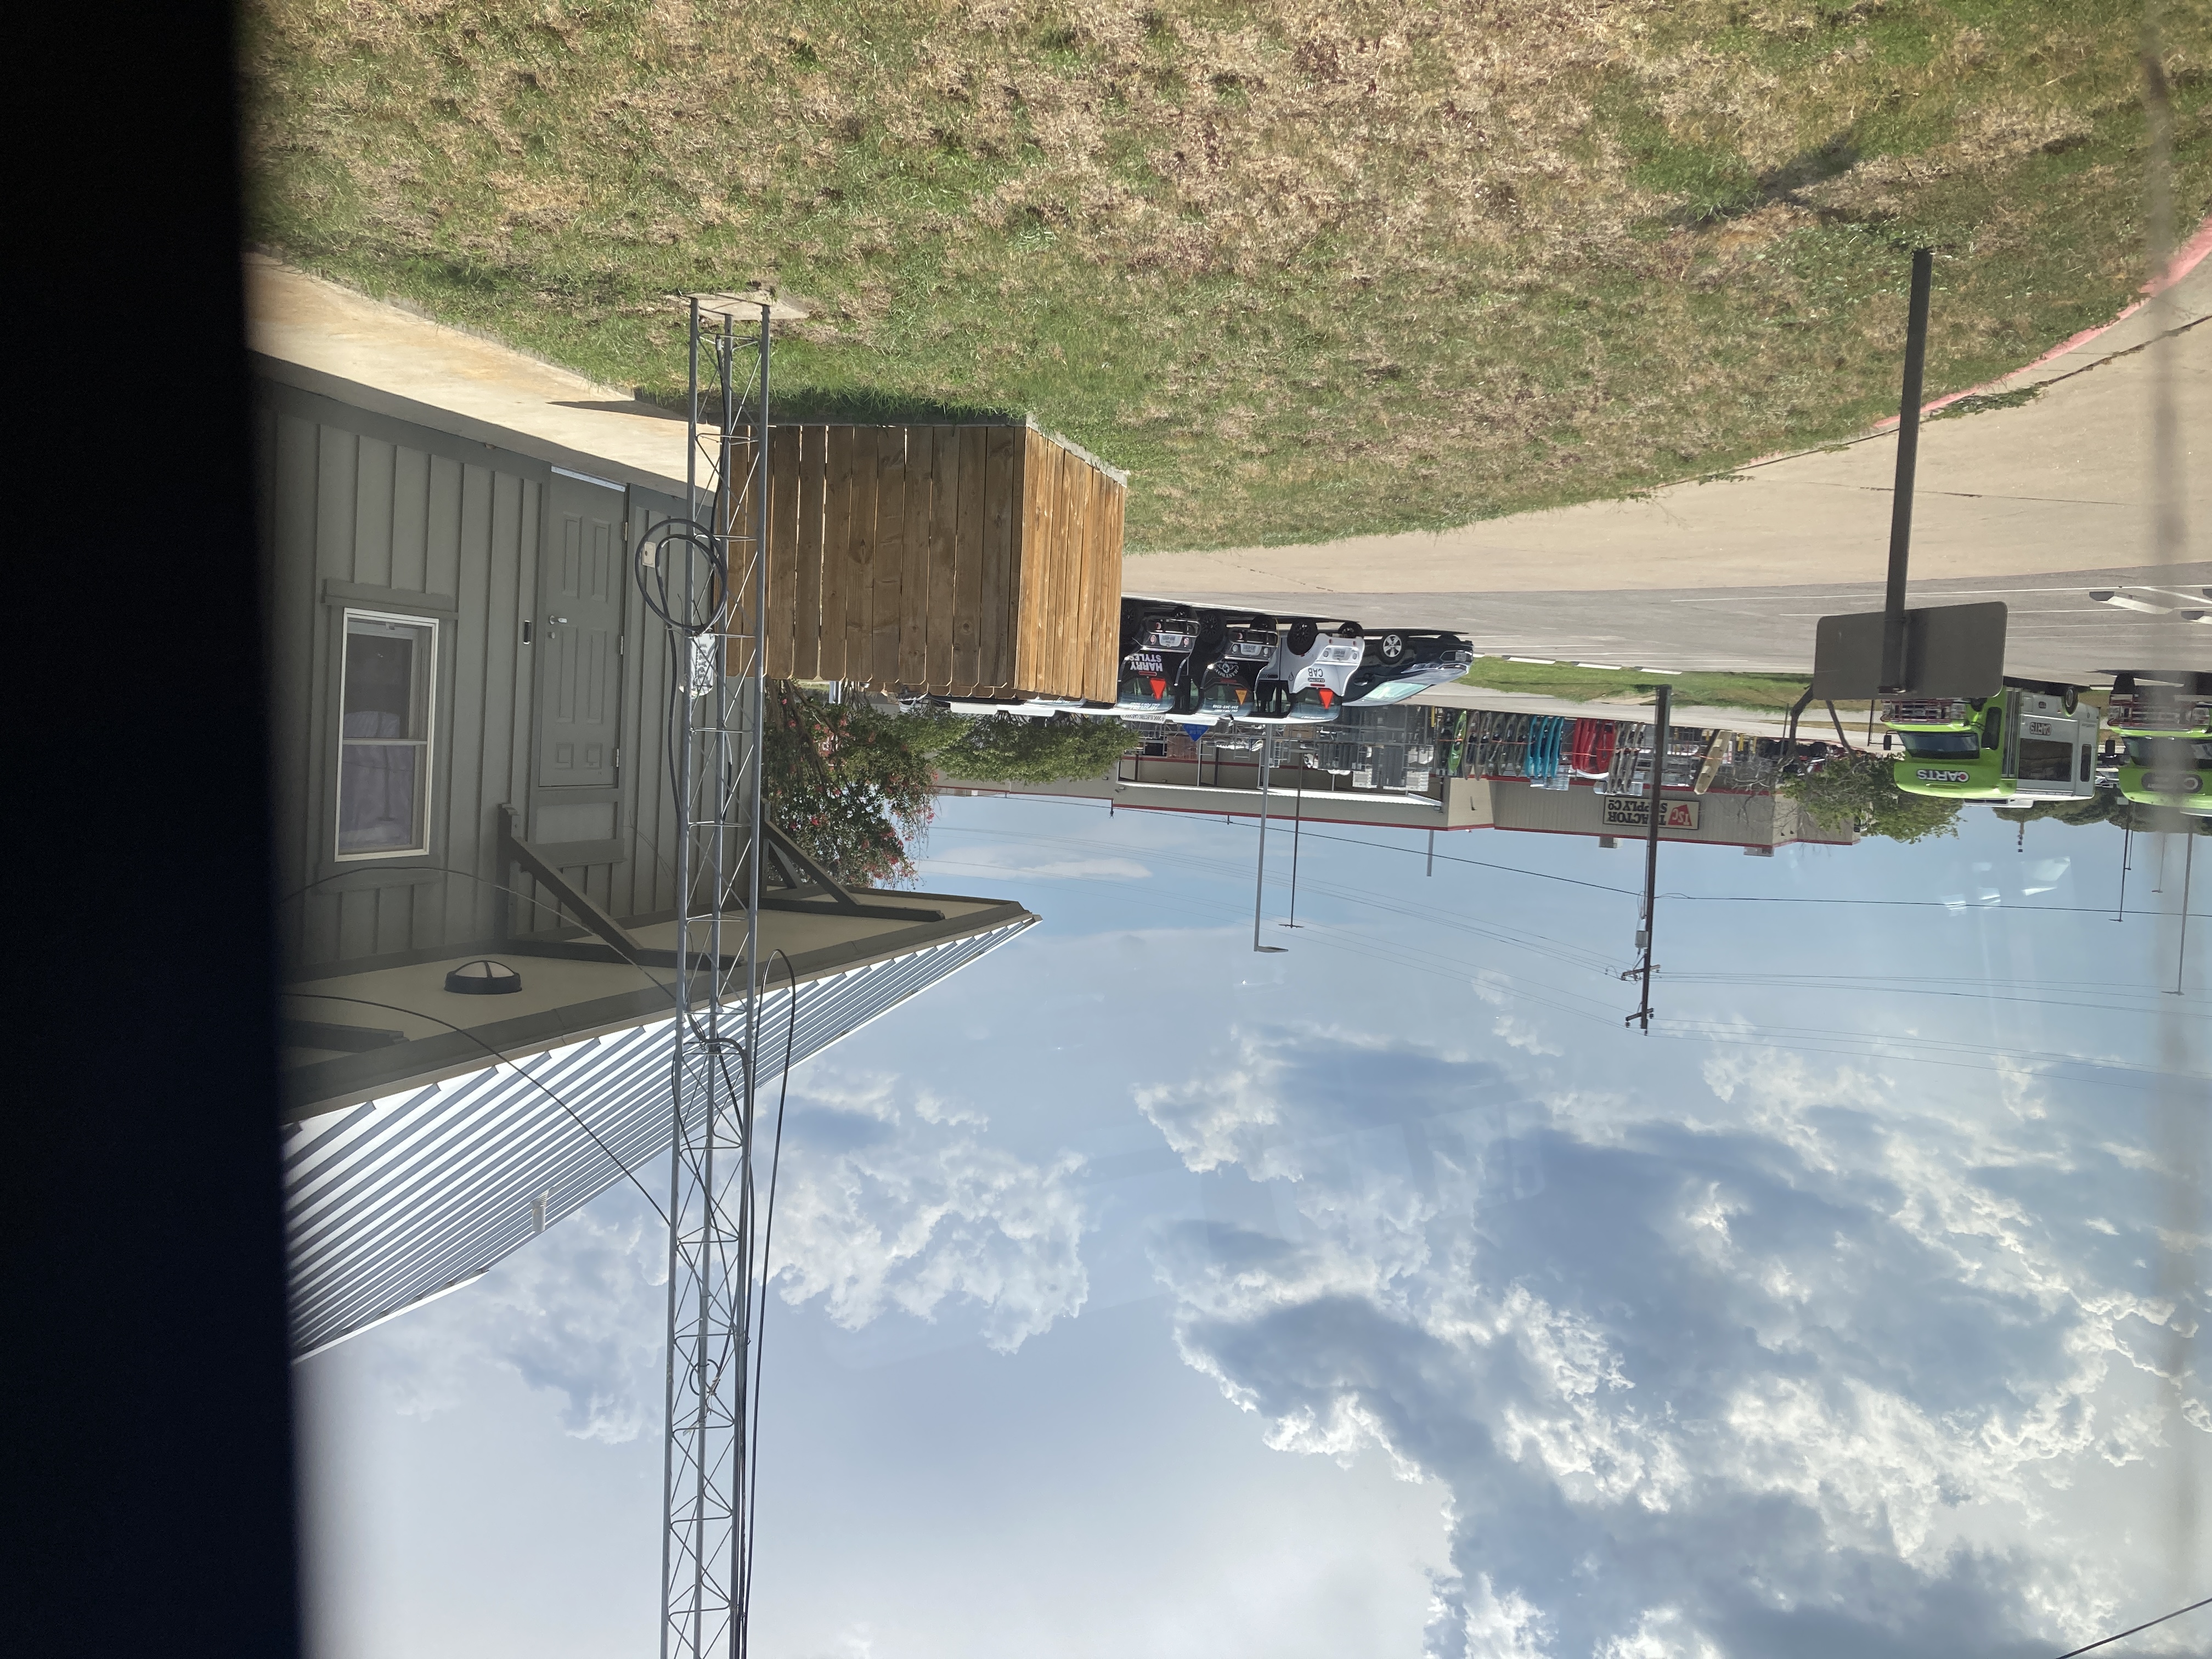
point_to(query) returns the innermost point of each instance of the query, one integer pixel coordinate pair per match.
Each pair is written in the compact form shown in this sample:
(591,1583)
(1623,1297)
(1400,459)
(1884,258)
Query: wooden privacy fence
(959,560)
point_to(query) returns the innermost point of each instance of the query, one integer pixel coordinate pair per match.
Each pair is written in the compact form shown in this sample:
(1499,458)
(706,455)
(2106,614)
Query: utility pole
(1297,822)
(1660,717)
(1431,870)
(2188,867)
(2127,850)
(1908,457)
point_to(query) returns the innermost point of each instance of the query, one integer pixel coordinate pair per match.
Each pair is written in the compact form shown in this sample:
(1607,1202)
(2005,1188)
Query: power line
(1543,944)
(1802,983)
(1631,892)
(2161,1618)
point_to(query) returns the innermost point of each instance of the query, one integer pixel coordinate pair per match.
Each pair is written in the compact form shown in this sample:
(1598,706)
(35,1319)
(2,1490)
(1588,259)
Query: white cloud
(1036,863)
(1521,1034)
(1825,1362)
(581,1314)
(891,1199)
(888,1199)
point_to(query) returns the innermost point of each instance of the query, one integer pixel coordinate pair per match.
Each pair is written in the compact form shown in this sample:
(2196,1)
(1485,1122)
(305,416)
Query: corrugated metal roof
(390,1203)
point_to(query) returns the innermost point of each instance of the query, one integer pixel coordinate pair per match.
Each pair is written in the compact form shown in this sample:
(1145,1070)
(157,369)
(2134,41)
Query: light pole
(1297,822)
(1260,883)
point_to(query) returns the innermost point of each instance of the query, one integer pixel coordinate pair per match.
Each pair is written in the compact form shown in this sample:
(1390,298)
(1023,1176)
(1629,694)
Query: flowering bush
(846,781)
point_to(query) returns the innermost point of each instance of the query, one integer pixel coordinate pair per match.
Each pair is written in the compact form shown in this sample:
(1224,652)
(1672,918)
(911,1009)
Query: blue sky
(1144,1295)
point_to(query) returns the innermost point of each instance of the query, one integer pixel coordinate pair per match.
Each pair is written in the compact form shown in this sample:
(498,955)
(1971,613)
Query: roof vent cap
(484,978)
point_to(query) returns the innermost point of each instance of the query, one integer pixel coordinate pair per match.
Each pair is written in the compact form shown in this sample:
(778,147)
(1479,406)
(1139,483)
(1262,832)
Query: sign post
(1908,463)
(1948,650)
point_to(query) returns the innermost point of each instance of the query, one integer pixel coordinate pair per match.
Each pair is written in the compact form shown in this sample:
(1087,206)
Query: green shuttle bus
(2164,718)
(2031,741)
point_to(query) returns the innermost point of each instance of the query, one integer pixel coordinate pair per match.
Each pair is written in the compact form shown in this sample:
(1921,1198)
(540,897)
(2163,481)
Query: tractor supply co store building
(1229,783)
(467,700)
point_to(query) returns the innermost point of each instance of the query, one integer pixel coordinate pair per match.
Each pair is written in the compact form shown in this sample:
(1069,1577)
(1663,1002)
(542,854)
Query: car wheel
(1351,631)
(1264,624)
(2071,700)
(1393,646)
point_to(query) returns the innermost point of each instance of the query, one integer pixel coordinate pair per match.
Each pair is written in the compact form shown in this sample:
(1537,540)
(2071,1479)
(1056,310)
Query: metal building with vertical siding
(470,767)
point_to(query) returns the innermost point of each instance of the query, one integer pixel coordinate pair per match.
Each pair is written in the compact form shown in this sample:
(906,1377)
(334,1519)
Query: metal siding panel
(514,588)
(394,918)
(484,592)
(356,924)
(337,454)
(372,513)
(411,522)
(290,530)
(442,528)
(645,778)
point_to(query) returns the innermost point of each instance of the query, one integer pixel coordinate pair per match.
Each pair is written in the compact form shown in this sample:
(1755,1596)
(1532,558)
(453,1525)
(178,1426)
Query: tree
(1013,748)
(2109,806)
(1859,789)
(852,783)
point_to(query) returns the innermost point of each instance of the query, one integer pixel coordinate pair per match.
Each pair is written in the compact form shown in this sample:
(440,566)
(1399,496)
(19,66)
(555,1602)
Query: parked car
(1257,669)
(1401,661)
(1158,640)
(1234,648)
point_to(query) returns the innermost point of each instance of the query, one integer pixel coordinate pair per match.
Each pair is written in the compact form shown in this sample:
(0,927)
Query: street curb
(2186,259)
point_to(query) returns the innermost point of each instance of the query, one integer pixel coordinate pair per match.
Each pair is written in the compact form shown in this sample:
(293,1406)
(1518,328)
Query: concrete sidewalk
(2059,483)
(321,330)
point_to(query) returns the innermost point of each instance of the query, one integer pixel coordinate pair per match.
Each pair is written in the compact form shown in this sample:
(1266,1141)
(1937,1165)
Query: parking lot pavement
(2056,630)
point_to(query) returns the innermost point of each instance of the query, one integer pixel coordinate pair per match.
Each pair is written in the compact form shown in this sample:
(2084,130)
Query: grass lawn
(1755,691)
(1774,691)
(1307,269)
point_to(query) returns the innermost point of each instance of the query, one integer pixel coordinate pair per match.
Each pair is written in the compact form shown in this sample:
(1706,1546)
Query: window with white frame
(388,677)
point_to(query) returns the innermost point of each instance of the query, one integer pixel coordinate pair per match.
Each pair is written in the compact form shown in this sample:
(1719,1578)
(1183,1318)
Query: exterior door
(581,591)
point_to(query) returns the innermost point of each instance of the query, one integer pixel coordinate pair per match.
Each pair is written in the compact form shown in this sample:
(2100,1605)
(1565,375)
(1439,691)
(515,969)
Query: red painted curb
(2186,259)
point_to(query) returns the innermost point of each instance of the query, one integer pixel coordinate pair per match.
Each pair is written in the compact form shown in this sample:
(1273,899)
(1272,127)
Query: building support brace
(514,850)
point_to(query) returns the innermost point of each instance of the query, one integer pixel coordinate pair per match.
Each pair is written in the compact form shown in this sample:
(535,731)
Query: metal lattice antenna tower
(714,606)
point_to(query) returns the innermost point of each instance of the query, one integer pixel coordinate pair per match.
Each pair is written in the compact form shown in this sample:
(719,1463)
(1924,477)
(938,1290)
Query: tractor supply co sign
(1634,812)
